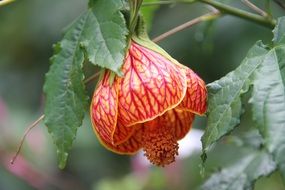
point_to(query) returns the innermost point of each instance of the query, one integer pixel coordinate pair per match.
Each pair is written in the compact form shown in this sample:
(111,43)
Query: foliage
(100,35)
(263,69)
(224,104)
(243,173)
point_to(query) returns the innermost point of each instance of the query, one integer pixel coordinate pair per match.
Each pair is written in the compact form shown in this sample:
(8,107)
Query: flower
(151,107)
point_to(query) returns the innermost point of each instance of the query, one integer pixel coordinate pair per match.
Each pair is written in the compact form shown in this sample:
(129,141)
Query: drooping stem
(24,137)
(206,17)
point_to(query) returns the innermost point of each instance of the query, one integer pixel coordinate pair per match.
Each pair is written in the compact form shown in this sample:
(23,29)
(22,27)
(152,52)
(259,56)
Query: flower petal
(182,123)
(128,147)
(179,121)
(122,134)
(104,108)
(195,99)
(151,85)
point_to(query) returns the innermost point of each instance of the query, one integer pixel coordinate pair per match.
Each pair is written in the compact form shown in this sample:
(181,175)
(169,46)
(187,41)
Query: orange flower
(151,107)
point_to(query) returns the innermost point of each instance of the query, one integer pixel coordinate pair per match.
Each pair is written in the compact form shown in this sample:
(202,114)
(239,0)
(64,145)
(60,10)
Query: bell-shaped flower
(150,107)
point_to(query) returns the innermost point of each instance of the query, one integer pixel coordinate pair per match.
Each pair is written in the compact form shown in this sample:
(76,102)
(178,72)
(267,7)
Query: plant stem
(264,21)
(134,11)
(167,2)
(24,137)
(206,17)
(255,8)
(5,2)
(268,7)
(225,9)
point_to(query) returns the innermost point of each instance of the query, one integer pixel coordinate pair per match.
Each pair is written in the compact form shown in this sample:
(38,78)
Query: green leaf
(278,32)
(66,100)
(148,12)
(100,33)
(224,97)
(268,103)
(105,34)
(242,174)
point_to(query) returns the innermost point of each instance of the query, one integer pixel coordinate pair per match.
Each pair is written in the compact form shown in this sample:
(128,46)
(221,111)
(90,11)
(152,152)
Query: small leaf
(243,174)
(224,100)
(278,32)
(268,103)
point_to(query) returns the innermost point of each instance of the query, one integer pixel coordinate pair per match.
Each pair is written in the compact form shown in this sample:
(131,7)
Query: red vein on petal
(159,82)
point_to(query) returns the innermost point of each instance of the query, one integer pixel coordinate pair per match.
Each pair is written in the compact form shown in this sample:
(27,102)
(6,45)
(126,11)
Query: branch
(226,9)
(206,17)
(35,123)
(24,137)
(167,2)
(255,8)
(5,2)
(264,21)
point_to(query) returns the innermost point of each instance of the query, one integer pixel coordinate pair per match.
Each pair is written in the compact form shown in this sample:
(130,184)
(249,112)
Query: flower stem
(206,17)
(268,7)
(134,11)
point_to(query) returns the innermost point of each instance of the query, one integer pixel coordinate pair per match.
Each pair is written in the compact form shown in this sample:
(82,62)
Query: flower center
(159,144)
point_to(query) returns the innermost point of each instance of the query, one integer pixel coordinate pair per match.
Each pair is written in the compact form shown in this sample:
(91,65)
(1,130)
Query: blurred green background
(29,28)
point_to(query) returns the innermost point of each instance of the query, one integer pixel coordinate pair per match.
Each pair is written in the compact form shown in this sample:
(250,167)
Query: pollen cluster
(159,145)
